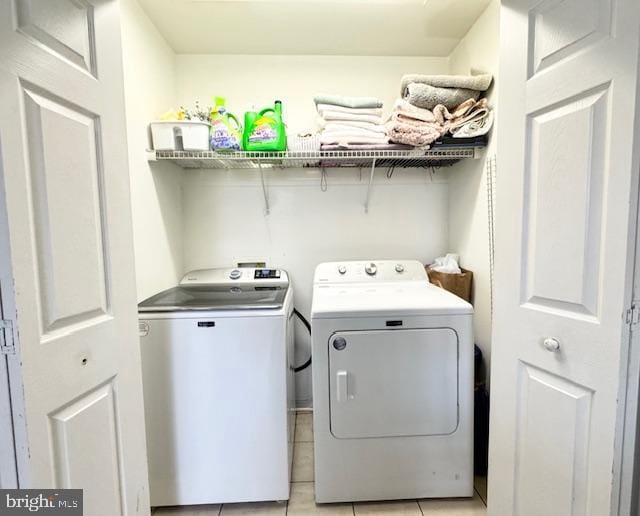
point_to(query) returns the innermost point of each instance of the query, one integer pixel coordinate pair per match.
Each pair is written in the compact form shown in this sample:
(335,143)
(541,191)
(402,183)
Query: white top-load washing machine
(219,396)
(392,384)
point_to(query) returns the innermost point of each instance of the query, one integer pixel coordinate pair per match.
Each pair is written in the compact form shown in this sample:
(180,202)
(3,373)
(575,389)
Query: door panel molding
(64,156)
(565,175)
(46,28)
(93,415)
(556,33)
(552,437)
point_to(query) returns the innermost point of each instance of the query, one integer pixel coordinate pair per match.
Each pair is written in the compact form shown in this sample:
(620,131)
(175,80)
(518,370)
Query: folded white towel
(348,136)
(354,111)
(357,131)
(338,115)
(352,102)
(346,140)
(350,123)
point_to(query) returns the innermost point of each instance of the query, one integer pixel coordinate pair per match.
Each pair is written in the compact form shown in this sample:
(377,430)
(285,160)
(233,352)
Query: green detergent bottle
(264,131)
(226,131)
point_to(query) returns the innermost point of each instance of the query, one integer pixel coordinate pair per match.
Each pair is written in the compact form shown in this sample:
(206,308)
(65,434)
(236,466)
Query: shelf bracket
(373,169)
(264,188)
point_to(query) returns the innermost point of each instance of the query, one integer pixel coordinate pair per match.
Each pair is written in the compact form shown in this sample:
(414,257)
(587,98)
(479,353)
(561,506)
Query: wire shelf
(438,157)
(316,159)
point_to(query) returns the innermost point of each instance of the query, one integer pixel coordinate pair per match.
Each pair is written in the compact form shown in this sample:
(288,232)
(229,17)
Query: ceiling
(317,27)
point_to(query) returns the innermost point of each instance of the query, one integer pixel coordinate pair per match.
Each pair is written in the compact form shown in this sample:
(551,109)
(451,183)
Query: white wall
(259,80)
(225,222)
(191,219)
(156,191)
(468,210)
(224,211)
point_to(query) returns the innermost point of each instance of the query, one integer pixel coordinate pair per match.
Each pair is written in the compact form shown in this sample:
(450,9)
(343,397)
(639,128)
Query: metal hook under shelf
(323,179)
(373,170)
(264,189)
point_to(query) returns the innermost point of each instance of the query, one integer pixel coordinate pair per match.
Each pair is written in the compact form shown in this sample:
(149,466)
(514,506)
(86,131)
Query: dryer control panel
(370,271)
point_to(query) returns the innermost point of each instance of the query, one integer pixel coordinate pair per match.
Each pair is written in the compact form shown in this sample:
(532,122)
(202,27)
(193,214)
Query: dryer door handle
(342,386)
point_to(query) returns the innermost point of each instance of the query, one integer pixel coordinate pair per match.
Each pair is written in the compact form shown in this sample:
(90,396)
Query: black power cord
(308,326)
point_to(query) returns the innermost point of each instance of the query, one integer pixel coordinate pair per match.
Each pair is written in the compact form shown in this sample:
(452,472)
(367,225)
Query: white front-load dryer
(392,384)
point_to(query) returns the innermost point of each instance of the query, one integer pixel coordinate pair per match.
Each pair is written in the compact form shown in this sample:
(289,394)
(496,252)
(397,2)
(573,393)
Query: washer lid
(215,298)
(362,300)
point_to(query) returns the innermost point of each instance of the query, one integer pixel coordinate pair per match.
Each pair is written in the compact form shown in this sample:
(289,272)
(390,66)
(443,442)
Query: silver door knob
(371,269)
(551,344)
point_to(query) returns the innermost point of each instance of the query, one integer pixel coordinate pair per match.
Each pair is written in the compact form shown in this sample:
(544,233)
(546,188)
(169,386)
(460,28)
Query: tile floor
(301,501)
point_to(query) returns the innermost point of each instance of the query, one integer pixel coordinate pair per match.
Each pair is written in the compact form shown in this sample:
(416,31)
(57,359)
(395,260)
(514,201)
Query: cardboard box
(458,284)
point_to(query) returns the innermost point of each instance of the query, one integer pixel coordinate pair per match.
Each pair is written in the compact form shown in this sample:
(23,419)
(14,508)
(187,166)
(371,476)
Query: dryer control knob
(371,269)
(235,274)
(342,269)
(339,343)
(399,268)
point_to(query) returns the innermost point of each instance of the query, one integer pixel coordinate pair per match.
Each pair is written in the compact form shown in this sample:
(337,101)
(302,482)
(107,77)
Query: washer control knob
(371,269)
(235,274)
(342,269)
(399,268)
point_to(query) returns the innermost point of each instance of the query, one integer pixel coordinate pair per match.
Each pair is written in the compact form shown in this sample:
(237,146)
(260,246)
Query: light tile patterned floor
(302,503)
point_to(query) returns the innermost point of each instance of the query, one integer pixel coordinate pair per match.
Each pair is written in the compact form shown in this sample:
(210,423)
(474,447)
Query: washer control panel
(370,271)
(261,274)
(237,277)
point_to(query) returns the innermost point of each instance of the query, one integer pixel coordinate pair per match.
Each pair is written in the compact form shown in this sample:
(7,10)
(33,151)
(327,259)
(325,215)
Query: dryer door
(387,383)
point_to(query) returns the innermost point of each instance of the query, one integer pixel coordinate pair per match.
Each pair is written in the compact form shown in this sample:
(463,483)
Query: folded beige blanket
(473,128)
(468,82)
(418,135)
(408,112)
(466,112)
(412,125)
(420,127)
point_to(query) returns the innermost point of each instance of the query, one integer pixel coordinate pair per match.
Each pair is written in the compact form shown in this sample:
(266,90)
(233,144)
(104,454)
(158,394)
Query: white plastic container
(188,135)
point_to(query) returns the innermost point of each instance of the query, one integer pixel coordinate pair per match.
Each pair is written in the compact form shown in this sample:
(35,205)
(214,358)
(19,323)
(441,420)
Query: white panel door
(65,176)
(565,196)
